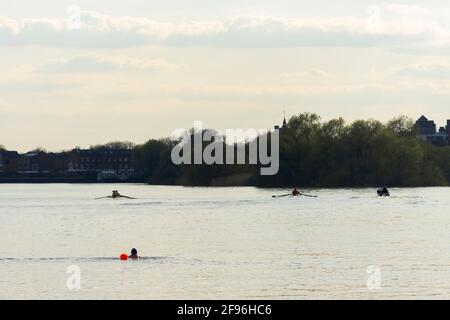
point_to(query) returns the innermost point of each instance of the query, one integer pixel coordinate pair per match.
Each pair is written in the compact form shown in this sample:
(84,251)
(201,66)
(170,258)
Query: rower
(383,192)
(116,194)
(295,192)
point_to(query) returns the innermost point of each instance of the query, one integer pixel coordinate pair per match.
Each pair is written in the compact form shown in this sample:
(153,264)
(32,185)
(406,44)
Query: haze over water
(218,243)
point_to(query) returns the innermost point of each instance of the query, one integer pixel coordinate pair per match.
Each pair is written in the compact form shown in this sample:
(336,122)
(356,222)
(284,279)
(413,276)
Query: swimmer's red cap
(123,256)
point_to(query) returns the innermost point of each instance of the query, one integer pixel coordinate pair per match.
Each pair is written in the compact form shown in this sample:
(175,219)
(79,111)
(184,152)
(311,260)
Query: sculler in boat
(383,192)
(296,192)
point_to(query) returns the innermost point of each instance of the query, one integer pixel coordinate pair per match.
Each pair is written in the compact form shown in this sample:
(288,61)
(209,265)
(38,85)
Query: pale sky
(76,73)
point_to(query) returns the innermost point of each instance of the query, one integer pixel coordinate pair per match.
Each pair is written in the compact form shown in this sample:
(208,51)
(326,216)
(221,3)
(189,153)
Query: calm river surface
(220,243)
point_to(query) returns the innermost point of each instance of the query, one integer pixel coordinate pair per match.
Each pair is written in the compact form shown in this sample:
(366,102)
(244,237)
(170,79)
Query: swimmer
(134,254)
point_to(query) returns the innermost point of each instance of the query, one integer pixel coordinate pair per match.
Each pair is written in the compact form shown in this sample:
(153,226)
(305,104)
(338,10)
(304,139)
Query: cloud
(19,86)
(432,70)
(97,63)
(308,74)
(415,13)
(100,30)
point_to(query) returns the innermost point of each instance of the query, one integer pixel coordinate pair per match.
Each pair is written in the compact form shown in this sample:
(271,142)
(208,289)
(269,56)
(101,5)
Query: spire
(284,119)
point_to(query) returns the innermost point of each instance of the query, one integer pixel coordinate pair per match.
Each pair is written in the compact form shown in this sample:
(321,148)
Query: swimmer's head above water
(134,254)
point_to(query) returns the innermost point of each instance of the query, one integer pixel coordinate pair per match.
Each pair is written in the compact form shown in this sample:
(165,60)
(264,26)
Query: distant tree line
(317,154)
(313,153)
(115,145)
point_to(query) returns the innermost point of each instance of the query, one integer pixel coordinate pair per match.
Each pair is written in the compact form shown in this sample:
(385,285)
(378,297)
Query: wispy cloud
(307,74)
(98,63)
(431,70)
(100,30)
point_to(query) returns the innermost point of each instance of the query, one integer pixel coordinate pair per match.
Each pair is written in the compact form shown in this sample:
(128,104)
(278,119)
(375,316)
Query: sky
(80,73)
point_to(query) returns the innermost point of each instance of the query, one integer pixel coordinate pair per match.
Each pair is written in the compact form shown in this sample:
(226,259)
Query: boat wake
(191,202)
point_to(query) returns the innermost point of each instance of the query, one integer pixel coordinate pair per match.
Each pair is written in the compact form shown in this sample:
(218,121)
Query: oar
(283,195)
(308,195)
(127,197)
(103,197)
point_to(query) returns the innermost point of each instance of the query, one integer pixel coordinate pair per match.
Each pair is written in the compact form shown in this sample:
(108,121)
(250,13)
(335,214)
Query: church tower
(277,127)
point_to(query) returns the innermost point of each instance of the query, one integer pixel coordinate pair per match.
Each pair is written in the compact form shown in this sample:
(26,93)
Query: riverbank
(89,177)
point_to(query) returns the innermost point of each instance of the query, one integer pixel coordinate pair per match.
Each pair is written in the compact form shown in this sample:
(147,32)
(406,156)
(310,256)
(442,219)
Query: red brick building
(97,164)
(100,159)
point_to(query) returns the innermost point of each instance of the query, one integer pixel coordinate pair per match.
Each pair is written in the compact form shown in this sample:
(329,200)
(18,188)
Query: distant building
(8,161)
(100,159)
(277,127)
(110,164)
(60,162)
(35,162)
(426,130)
(425,127)
(101,164)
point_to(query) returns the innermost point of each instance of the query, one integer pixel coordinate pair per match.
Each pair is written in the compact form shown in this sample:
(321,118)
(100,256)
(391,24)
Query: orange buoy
(123,256)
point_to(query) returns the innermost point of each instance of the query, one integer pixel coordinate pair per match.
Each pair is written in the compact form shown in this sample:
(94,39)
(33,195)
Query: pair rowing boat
(114,197)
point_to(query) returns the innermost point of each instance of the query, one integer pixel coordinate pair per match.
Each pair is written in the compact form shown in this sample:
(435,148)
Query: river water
(222,243)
